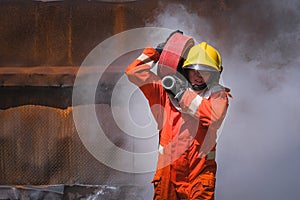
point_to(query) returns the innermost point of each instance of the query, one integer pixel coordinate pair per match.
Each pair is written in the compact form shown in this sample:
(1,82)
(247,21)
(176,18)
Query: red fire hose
(173,51)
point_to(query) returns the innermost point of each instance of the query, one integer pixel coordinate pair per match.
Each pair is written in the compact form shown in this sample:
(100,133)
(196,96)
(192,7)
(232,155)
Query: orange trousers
(202,187)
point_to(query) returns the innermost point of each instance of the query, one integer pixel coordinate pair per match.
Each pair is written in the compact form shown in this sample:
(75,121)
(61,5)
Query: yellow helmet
(203,57)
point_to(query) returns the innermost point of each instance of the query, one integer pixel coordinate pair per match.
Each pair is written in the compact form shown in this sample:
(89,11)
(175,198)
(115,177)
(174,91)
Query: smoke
(259,43)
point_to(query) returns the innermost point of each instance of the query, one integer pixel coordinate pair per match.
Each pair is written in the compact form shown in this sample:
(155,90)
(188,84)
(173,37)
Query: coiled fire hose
(174,50)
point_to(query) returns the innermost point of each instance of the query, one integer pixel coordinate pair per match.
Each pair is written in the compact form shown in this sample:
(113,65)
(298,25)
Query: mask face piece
(199,87)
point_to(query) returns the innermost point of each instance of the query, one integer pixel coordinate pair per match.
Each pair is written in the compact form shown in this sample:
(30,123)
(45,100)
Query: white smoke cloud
(259,44)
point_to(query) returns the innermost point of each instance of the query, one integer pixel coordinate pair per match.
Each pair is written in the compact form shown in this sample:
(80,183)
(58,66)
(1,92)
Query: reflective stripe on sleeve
(146,60)
(143,57)
(161,149)
(151,63)
(195,104)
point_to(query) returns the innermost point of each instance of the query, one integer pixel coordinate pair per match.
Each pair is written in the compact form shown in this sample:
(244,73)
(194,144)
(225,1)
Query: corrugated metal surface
(40,145)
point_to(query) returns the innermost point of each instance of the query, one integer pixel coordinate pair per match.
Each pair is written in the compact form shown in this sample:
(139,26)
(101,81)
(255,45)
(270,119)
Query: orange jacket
(187,133)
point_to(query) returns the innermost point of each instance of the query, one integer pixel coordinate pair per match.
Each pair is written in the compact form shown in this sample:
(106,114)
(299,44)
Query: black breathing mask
(199,87)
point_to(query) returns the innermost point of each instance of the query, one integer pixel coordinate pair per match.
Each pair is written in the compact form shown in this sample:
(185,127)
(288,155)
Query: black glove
(176,85)
(177,31)
(159,48)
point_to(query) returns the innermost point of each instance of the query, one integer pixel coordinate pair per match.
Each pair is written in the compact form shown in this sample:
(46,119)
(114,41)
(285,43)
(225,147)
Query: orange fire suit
(186,166)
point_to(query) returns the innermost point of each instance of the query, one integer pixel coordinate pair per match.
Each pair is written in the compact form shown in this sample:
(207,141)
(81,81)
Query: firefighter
(192,106)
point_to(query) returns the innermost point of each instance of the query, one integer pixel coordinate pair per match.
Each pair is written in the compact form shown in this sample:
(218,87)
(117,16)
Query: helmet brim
(201,68)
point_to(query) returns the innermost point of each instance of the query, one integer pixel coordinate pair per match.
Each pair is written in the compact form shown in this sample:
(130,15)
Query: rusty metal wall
(62,33)
(40,145)
(42,43)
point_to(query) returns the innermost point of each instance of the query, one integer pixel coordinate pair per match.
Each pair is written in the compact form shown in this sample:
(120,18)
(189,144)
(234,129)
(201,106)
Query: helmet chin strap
(199,87)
